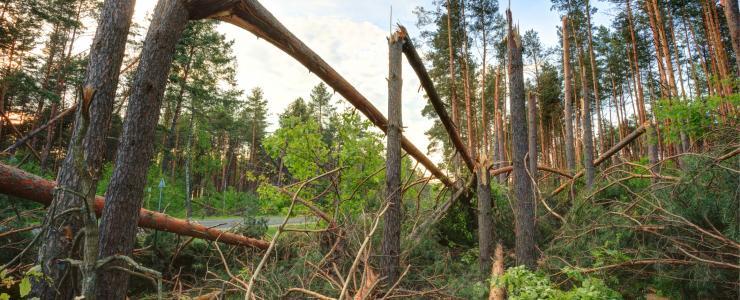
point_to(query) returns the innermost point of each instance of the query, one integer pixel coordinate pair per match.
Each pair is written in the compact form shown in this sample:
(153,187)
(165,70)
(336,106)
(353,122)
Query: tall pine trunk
(525,221)
(532,134)
(733,23)
(588,140)
(80,171)
(391,244)
(570,158)
(126,189)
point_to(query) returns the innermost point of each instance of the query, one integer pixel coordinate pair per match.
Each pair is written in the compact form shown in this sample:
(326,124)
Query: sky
(350,35)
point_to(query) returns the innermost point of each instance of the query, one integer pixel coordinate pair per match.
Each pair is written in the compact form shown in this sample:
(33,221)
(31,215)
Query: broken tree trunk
(18,183)
(606,155)
(497,292)
(391,244)
(252,16)
(525,219)
(485,219)
(426,82)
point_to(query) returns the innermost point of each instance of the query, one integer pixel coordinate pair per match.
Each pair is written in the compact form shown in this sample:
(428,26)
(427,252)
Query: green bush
(523,284)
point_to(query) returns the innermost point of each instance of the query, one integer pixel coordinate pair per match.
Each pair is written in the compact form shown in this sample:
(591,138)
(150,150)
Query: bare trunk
(588,140)
(188,185)
(485,219)
(81,168)
(126,189)
(595,79)
(497,292)
(499,128)
(639,92)
(525,221)
(391,244)
(570,158)
(733,23)
(532,134)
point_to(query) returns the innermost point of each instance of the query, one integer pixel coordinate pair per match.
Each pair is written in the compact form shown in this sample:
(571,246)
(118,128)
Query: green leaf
(25,287)
(4,296)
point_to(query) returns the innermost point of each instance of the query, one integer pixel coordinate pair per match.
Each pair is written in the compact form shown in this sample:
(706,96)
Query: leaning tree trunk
(391,244)
(570,156)
(126,189)
(525,227)
(81,169)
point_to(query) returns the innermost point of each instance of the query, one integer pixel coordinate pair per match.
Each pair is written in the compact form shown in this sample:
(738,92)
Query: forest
(135,164)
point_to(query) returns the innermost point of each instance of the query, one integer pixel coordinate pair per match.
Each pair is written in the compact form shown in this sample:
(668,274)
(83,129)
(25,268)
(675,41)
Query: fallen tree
(252,16)
(439,107)
(624,142)
(18,183)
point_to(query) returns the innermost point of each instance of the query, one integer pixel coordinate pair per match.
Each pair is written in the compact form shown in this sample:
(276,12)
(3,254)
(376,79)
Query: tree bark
(588,140)
(532,134)
(391,244)
(595,79)
(733,23)
(188,184)
(498,127)
(485,220)
(453,92)
(126,189)
(570,158)
(525,221)
(81,168)
(497,292)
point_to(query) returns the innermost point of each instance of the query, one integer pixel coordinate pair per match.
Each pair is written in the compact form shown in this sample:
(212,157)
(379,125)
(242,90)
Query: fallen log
(24,139)
(19,183)
(252,16)
(507,169)
(606,155)
(426,82)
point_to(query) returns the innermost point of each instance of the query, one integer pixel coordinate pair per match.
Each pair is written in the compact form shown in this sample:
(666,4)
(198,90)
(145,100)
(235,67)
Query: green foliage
(19,287)
(636,220)
(523,284)
(694,117)
(306,150)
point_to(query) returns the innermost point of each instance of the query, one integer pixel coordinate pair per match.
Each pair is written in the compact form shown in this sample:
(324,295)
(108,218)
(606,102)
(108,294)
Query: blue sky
(351,37)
